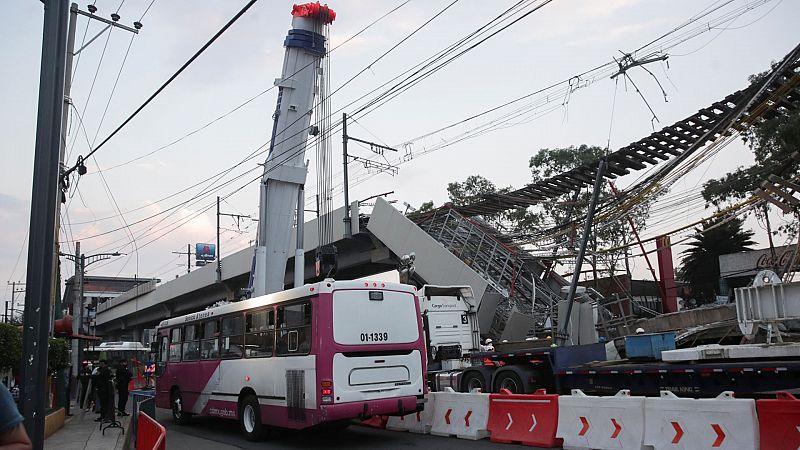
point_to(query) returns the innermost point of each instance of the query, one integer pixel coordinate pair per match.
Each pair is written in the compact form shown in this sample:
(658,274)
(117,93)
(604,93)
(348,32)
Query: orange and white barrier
(527,419)
(723,422)
(591,422)
(779,422)
(464,415)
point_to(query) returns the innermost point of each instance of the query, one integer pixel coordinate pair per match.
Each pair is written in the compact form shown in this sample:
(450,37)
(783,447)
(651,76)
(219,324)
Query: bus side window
(294,329)
(232,340)
(260,337)
(209,347)
(191,342)
(175,345)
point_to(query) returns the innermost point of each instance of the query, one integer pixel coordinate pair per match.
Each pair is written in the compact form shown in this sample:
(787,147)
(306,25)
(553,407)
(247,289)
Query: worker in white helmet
(640,330)
(487,345)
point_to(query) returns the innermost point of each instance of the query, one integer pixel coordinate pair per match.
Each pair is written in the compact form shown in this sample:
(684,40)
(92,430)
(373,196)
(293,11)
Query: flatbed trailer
(562,369)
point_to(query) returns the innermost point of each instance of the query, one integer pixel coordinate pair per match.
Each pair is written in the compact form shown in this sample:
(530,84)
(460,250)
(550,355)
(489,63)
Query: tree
(772,142)
(518,220)
(425,207)
(549,162)
(10,346)
(57,354)
(700,264)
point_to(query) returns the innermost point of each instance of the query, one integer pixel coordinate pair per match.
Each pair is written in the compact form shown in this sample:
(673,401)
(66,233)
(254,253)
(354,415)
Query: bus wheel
(250,419)
(179,416)
(511,381)
(473,380)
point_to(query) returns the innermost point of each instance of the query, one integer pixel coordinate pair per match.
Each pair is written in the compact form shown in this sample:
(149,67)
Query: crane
(284,169)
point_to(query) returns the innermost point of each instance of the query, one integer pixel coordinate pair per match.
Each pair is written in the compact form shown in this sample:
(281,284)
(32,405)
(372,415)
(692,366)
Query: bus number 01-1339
(374,337)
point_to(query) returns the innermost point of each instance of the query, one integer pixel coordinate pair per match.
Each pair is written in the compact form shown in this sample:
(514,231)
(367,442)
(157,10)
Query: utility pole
(219,252)
(563,334)
(368,164)
(45,196)
(348,226)
(14,291)
(188,254)
(80,261)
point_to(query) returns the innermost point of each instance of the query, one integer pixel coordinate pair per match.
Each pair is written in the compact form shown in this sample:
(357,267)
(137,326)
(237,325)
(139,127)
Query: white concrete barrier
(724,422)
(464,415)
(593,422)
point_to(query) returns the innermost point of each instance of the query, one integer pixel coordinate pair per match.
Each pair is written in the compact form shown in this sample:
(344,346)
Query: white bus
(324,352)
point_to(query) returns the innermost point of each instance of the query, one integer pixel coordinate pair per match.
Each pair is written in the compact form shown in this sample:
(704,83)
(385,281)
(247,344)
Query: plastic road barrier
(527,419)
(418,422)
(464,415)
(723,422)
(590,422)
(150,435)
(779,422)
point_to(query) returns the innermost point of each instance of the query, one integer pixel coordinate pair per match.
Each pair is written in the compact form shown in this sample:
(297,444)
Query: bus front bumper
(363,409)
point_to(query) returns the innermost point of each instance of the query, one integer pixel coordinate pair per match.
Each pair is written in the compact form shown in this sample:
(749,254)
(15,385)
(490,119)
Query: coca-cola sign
(749,263)
(767,261)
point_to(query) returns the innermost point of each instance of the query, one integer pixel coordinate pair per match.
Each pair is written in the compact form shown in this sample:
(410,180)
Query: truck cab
(450,320)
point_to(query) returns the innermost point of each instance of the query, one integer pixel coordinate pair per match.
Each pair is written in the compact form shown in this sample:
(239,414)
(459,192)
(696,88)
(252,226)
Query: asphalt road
(207,433)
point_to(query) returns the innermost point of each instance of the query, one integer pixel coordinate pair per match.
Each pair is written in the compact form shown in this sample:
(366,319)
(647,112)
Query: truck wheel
(473,380)
(179,416)
(250,419)
(511,381)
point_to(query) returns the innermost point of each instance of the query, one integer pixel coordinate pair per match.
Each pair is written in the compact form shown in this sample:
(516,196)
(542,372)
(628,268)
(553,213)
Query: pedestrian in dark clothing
(83,377)
(124,376)
(104,390)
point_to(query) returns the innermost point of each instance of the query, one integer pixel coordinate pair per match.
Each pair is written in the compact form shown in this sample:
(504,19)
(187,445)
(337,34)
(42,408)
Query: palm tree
(700,264)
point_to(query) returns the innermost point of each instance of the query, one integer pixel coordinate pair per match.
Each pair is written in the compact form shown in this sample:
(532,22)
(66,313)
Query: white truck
(450,320)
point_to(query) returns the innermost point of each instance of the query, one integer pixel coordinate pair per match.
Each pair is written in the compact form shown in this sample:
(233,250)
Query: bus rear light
(366,284)
(311,289)
(383,284)
(326,391)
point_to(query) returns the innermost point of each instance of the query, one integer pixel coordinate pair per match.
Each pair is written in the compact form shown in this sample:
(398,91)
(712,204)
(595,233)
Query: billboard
(205,252)
(749,263)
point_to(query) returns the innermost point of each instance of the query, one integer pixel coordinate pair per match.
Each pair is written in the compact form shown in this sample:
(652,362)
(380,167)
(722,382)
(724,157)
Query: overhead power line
(163,86)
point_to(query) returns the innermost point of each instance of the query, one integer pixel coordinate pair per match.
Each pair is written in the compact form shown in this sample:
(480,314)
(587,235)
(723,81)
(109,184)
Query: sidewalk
(81,432)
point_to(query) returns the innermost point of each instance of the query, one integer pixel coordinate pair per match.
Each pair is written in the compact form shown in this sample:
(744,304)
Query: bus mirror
(154,347)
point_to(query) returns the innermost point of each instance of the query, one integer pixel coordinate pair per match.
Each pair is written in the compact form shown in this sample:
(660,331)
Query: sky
(143,171)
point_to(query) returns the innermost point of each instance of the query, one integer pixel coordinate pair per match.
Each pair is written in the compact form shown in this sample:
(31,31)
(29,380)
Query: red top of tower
(314,11)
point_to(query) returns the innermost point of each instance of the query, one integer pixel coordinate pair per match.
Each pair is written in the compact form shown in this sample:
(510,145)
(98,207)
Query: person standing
(104,390)
(83,377)
(123,376)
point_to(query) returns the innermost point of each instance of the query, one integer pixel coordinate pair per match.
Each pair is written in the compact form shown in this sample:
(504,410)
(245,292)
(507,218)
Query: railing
(150,435)
(508,271)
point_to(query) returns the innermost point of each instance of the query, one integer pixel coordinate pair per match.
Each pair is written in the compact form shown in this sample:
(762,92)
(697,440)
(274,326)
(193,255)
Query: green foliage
(10,346)
(700,265)
(549,162)
(425,207)
(772,142)
(471,190)
(57,354)
(552,161)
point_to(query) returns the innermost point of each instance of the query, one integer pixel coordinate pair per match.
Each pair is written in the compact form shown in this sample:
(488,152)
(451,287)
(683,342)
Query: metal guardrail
(144,401)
